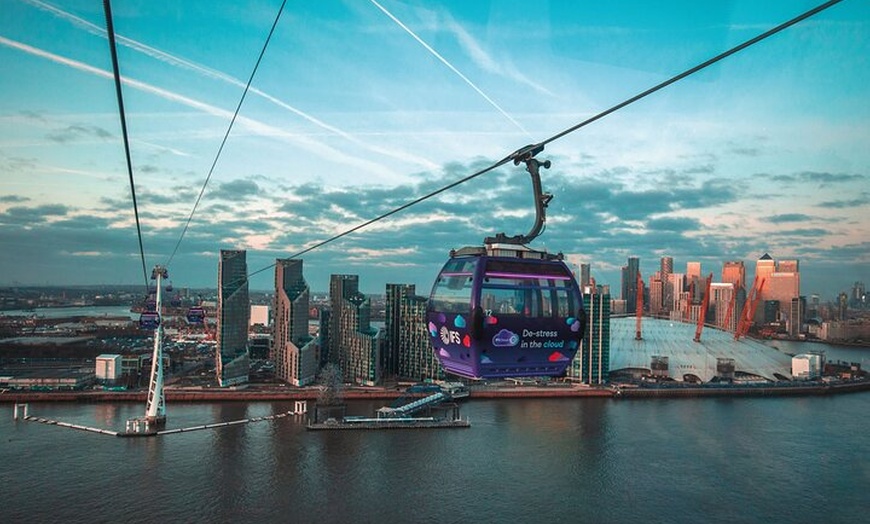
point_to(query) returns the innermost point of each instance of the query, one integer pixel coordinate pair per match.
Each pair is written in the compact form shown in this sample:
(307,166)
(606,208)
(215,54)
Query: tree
(331,386)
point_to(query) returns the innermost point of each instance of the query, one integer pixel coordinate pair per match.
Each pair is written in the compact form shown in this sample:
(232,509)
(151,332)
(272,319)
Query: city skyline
(360,108)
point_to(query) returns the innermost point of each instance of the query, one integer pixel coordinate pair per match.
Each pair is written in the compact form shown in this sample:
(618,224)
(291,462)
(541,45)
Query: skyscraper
(858,297)
(764,267)
(585,275)
(693,270)
(797,310)
(666,269)
(656,294)
(296,353)
(782,284)
(734,272)
(232,363)
(629,284)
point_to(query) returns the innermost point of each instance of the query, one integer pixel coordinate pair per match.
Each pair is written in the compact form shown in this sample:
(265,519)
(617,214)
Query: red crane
(749,311)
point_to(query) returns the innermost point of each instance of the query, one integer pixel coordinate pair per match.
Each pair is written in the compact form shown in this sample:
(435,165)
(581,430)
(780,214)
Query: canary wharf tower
(232,363)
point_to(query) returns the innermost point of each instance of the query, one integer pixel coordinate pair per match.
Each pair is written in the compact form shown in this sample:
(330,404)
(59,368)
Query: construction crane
(705,303)
(752,300)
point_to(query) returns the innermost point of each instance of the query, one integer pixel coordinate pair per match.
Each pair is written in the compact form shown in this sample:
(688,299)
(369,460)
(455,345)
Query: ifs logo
(448,336)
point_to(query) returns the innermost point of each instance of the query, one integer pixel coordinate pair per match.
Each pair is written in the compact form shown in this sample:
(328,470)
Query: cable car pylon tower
(155,408)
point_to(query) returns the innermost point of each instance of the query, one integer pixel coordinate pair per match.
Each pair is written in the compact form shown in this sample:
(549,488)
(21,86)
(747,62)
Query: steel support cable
(110,31)
(602,114)
(229,129)
(392,212)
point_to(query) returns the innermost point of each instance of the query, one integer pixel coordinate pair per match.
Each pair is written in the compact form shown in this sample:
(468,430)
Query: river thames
(788,459)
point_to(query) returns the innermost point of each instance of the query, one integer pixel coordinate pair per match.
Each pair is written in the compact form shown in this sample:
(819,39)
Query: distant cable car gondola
(196,315)
(504,310)
(149,320)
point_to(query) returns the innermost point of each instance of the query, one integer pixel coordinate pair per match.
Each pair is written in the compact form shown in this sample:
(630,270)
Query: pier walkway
(300,409)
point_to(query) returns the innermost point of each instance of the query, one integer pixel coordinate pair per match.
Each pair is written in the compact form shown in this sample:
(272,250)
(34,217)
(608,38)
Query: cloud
(237,190)
(788,217)
(863,200)
(824,179)
(77,132)
(676,224)
(745,151)
(14,199)
(804,232)
(31,216)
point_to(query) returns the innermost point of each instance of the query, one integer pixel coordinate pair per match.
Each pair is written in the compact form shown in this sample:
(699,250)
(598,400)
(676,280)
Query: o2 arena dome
(667,351)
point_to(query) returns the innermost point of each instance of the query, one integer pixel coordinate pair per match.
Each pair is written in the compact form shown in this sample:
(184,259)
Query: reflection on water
(523,460)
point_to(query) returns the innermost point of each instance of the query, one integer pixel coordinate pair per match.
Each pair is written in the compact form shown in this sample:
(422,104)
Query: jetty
(438,408)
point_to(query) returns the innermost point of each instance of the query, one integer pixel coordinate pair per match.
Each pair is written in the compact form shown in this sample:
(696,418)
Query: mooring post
(23,409)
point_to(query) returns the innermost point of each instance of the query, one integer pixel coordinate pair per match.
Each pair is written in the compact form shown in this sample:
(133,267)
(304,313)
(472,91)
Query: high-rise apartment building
(723,303)
(353,344)
(417,360)
(673,295)
(340,288)
(591,365)
(232,363)
(656,294)
(295,352)
(396,293)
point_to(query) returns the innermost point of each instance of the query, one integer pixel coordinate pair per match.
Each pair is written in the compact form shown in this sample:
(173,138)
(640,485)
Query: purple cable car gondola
(196,315)
(505,310)
(149,320)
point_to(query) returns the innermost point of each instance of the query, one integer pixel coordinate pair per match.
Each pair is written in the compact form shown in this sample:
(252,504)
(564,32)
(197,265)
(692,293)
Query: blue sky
(360,106)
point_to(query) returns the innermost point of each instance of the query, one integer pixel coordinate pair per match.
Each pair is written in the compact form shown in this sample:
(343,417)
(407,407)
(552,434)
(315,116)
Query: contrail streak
(177,61)
(253,125)
(449,65)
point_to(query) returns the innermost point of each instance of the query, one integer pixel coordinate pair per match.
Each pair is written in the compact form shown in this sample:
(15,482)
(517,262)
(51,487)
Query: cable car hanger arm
(533,165)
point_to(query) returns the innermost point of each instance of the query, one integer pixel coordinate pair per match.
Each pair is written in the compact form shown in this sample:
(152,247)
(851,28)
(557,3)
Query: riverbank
(311,394)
